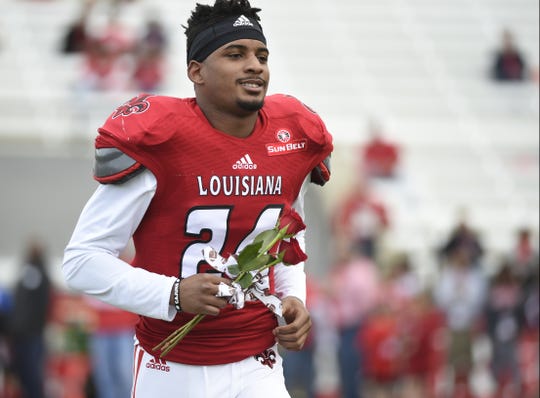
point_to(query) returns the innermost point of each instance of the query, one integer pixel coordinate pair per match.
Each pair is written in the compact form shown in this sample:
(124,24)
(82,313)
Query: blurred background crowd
(423,250)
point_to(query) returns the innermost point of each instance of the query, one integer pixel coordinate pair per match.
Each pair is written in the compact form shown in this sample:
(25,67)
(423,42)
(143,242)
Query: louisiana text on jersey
(240,185)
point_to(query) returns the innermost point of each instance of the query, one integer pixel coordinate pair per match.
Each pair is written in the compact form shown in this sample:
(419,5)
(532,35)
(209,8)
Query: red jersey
(213,189)
(381,342)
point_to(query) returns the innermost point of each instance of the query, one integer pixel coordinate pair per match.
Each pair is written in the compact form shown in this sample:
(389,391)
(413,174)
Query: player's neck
(240,126)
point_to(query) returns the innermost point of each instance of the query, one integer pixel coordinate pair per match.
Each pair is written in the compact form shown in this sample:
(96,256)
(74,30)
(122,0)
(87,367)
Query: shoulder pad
(112,166)
(320,175)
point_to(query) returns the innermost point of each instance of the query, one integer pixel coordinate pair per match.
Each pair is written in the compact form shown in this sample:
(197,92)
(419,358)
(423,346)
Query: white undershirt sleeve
(291,279)
(104,229)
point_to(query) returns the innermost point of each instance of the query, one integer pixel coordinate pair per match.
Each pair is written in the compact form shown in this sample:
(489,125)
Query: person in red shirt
(107,64)
(361,219)
(524,254)
(381,341)
(425,347)
(353,293)
(181,174)
(508,62)
(380,157)
(150,58)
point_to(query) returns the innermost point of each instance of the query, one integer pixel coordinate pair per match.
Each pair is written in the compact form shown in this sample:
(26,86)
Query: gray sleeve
(112,166)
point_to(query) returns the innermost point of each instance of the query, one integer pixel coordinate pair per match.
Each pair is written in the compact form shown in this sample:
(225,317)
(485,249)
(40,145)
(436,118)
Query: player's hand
(198,294)
(293,335)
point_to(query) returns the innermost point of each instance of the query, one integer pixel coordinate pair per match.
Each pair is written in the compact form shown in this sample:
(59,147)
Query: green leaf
(245,281)
(257,263)
(249,253)
(266,237)
(234,269)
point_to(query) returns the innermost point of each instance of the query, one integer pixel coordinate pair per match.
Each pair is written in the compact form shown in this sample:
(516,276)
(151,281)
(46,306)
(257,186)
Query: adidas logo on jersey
(242,21)
(245,164)
(158,364)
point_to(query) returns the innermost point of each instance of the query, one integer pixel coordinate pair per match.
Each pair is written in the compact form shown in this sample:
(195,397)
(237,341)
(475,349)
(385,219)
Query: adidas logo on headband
(242,21)
(221,33)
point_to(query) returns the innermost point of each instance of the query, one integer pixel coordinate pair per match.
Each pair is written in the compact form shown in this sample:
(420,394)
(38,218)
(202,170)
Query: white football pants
(250,378)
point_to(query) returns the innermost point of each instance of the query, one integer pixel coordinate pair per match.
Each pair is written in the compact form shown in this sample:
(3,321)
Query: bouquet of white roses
(249,282)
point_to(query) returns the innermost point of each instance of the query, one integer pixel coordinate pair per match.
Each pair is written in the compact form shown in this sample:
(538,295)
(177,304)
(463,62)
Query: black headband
(215,36)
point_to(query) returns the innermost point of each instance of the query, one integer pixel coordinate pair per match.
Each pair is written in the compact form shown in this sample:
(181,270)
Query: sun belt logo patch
(285,144)
(135,105)
(287,148)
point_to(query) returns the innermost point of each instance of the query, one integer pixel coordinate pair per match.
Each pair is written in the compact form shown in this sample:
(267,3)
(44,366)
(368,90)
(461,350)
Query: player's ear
(194,72)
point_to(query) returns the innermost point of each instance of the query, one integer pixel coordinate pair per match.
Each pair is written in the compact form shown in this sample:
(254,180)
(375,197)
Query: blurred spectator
(76,36)
(110,345)
(108,65)
(508,62)
(299,366)
(154,37)
(353,293)
(111,350)
(68,363)
(461,294)
(531,304)
(524,254)
(6,304)
(402,340)
(463,235)
(402,284)
(425,348)
(380,157)
(149,68)
(529,339)
(31,301)
(504,322)
(362,219)
(381,342)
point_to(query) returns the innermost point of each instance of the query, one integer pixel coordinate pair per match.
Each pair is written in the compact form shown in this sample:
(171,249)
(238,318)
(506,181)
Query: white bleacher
(419,65)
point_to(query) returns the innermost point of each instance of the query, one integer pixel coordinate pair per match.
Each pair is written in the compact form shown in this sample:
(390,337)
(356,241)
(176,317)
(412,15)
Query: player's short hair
(204,16)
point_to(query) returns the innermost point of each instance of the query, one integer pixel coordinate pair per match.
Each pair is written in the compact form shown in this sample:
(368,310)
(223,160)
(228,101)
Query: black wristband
(176,296)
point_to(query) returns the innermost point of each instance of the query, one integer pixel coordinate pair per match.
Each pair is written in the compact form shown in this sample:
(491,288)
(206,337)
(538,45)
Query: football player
(181,174)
